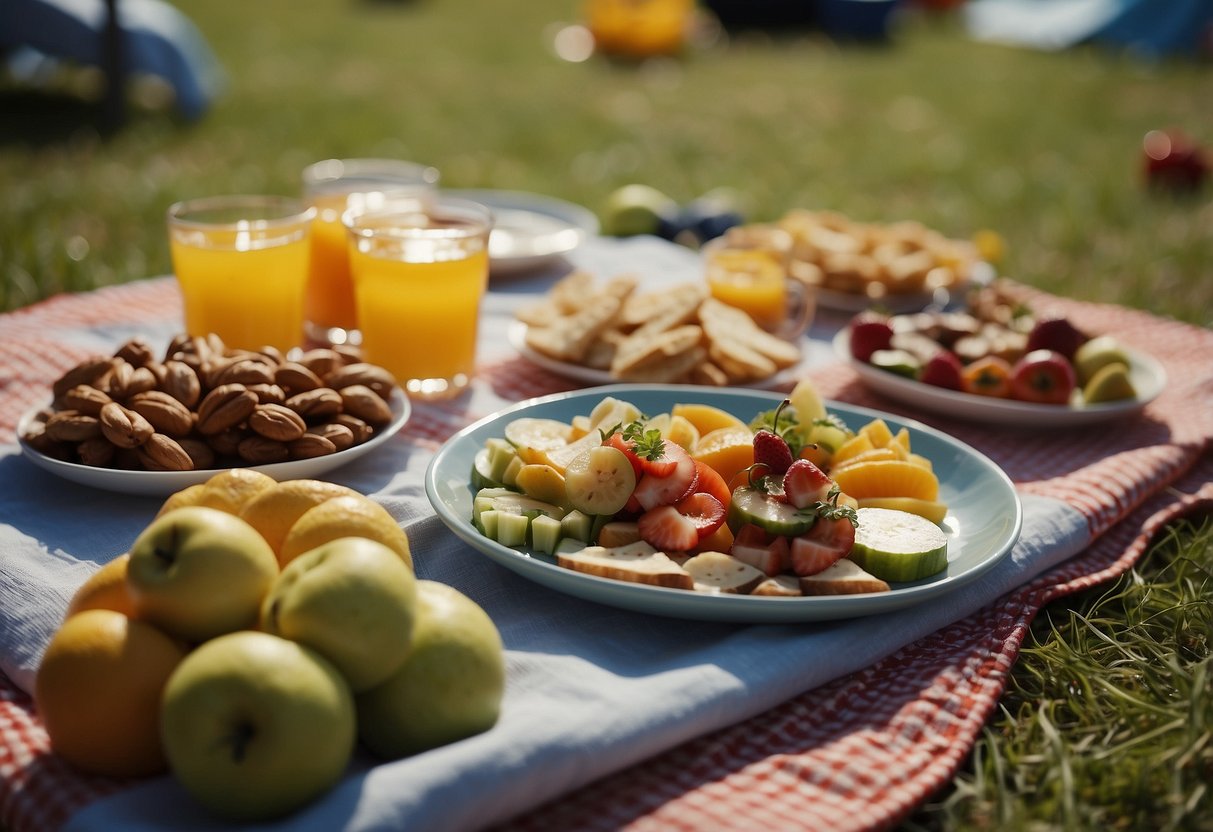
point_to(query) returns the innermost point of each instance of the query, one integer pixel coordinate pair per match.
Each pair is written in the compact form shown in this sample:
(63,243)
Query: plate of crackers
(611,331)
(901,266)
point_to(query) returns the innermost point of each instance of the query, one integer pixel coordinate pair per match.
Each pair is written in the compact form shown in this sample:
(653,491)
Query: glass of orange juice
(749,268)
(333,187)
(241,263)
(420,267)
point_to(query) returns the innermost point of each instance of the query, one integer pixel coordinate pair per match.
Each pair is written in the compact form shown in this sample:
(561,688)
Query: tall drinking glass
(242,263)
(420,268)
(333,187)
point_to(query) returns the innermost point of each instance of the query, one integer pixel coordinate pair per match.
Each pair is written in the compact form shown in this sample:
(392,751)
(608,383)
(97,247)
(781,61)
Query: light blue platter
(983,522)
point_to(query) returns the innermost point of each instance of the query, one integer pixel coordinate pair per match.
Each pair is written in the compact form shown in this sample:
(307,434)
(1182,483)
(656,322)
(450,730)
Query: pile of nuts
(207,406)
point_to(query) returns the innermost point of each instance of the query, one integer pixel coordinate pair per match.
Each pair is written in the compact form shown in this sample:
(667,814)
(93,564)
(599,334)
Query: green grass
(1113,693)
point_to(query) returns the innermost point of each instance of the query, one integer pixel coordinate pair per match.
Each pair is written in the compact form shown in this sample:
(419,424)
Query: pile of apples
(1046,360)
(251,635)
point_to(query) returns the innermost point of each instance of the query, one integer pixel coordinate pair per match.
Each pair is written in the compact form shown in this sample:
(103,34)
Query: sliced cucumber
(749,505)
(512,528)
(545,533)
(577,525)
(482,471)
(600,480)
(511,502)
(510,477)
(898,546)
(500,454)
(486,521)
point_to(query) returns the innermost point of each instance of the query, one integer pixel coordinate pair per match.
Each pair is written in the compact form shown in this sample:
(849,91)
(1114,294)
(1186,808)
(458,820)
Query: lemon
(274,511)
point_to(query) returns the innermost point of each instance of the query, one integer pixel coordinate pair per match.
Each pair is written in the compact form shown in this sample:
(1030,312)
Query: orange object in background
(639,28)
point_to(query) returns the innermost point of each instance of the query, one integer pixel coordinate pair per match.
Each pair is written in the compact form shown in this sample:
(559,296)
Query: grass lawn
(1044,149)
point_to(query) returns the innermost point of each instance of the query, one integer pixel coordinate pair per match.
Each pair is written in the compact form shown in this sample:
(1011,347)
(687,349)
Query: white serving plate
(1147,375)
(164,483)
(529,230)
(983,522)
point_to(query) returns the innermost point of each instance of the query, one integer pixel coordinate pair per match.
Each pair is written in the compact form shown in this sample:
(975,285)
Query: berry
(704,510)
(805,484)
(665,529)
(770,449)
(660,490)
(829,541)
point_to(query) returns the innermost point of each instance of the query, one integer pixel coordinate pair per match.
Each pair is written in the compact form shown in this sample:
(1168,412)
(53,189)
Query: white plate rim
(1148,375)
(164,483)
(441,483)
(576,218)
(516,334)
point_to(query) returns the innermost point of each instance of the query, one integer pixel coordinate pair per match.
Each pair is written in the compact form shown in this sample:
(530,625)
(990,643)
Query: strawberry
(770,449)
(662,490)
(712,483)
(704,510)
(752,534)
(645,449)
(806,484)
(830,540)
(615,440)
(771,558)
(665,529)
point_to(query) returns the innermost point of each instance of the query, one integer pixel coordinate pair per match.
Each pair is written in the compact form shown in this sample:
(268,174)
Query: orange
(878,431)
(857,444)
(98,693)
(344,517)
(729,450)
(233,489)
(273,511)
(930,509)
(705,417)
(886,478)
(104,590)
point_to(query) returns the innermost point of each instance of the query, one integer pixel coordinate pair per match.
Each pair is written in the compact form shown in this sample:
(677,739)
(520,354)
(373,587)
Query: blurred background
(1031,137)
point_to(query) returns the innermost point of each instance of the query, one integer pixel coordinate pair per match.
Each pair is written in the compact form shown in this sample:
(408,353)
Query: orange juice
(241,263)
(419,273)
(330,292)
(752,280)
(419,319)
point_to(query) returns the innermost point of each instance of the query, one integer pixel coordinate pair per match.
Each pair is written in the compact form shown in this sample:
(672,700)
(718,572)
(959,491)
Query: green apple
(352,601)
(198,572)
(450,685)
(255,726)
(636,209)
(1097,353)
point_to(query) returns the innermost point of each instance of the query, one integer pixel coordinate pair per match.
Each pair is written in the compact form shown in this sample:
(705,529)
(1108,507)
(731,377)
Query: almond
(181,382)
(225,407)
(137,352)
(277,422)
(367,375)
(97,452)
(227,442)
(294,378)
(260,450)
(316,404)
(321,361)
(71,426)
(131,381)
(85,399)
(310,446)
(200,453)
(267,393)
(86,372)
(124,427)
(340,436)
(360,429)
(162,453)
(243,371)
(363,402)
(166,414)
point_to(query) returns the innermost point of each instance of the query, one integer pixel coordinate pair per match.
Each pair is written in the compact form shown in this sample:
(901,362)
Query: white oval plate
(530,230)
(853,302)
(164,483)
(517,337)
(1147,375)
(983,522)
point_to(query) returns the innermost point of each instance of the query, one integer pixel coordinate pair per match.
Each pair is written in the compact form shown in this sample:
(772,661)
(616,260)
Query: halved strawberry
(751,534)
(615,440)
(805,484)
(654,490)
(665,529)
(645,449)
(829,541)
(704,510)
(771,558)
(710,482)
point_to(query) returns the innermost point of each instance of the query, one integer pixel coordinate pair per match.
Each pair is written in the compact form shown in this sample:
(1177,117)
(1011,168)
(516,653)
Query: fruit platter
(998,362)
(676,501)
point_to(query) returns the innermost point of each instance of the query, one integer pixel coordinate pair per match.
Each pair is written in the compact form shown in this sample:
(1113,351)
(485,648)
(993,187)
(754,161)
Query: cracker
(641,351)
(568,338)
(673,369)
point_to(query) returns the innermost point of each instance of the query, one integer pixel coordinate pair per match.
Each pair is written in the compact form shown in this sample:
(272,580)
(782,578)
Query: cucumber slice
(510,477)
(545,534)
(482,471)
(487,523)
(898,546)
(511,502)
(600,480)
(749,505)
(577,525)
(500,453)
(512,528)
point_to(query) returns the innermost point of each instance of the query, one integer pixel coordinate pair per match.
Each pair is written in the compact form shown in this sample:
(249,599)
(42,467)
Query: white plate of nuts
(134,424)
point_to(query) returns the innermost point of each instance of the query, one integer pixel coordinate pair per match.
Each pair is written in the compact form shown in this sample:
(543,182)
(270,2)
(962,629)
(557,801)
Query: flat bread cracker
(569,338)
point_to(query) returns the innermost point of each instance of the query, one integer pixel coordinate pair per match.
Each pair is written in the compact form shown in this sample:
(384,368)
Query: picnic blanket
(614,719)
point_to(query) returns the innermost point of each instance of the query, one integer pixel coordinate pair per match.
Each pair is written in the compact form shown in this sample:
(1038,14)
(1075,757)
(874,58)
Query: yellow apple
(199,572)
(255,726)
(450,685)
(352,600)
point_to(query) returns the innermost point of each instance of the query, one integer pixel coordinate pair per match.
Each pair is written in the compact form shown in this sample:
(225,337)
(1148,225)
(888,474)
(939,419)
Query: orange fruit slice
(706,418)
(728,450)
(930,509)
(886,478)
